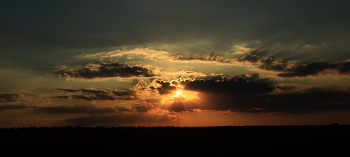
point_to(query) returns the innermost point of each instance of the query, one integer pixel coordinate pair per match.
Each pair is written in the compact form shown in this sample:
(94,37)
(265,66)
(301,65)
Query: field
(175,141)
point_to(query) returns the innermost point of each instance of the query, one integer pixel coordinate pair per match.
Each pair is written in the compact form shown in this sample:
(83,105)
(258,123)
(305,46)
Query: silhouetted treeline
(118,127)
(175,141)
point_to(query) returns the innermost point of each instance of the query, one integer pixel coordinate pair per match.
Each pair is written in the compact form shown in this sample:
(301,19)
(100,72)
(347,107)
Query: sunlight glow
(179,92)
(180,96)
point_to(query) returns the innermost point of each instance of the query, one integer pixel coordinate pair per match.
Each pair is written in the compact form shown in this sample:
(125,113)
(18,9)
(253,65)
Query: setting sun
(179,92)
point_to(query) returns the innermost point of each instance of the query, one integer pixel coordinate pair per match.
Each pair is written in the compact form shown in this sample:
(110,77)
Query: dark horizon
(112,127)
(226,140)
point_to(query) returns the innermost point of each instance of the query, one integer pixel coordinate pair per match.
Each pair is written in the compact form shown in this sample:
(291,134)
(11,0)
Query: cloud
(10,107)
(166,87)
(294,70)
(106,70)
(63,97)
(123,108)
(144,107)
(249,58)
(265,63)
(147,104)
(252,94)
(4,97)
(76,109)
(180,106)
(214,93)
(211,57)
(268,64)
(244,84)
(239,49)
(93,94)
(309,100)
(147,53)
(221,86)
(140,91)
(312,69)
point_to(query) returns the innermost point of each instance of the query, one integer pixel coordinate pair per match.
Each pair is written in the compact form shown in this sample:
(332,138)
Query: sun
(180,95)
(179,92)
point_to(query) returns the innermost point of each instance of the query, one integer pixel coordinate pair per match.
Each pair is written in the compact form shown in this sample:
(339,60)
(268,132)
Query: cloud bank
(288,69)
(93,94)
(5,97)
(106,70)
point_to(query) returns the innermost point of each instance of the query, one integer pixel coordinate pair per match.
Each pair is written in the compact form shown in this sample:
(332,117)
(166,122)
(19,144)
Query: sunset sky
(174,63)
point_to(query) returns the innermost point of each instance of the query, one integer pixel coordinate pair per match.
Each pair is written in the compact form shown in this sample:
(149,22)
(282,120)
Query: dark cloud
(301,70)
(215,93)
(148,104)
(123,108)
(106,70)
(94,97)
(166,87)
(143,107)
(63,97)
(252,94)
(4,97)
(180,106)
(265,63)
(305,101)
(211,57)
(268,64)
(153,100)
(10,107)
(92,94)
(285,88)
(76,109)
(124,93)
(249,58)
(120,118)
(244,84)
(182,58)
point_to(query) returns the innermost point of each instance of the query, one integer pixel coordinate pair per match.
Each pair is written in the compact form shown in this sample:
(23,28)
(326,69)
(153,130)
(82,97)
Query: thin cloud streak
(106,70)
(92,94)
(6,97)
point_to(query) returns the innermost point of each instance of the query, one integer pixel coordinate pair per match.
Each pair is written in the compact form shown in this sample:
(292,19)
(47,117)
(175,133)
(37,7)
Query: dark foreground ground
(176,141)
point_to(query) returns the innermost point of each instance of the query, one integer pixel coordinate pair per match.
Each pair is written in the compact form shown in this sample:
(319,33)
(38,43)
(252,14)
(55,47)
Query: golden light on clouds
(180,100)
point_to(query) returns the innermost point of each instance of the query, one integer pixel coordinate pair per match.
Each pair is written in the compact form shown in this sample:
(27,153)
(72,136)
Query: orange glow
(180,99)
(180,96)
(179,92)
